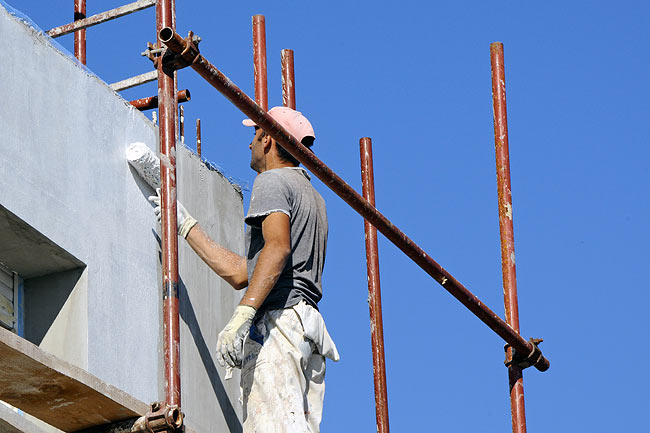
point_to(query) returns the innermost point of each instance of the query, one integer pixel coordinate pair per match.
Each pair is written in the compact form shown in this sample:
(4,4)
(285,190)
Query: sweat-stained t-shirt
(288,190)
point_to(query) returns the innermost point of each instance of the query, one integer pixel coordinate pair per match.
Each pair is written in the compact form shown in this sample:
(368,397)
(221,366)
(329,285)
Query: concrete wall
(63,171)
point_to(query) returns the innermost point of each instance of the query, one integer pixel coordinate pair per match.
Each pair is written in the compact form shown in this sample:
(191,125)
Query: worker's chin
(256,167)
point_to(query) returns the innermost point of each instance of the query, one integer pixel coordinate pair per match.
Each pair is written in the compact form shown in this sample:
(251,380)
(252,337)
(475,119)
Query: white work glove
(184,220)
(230,343)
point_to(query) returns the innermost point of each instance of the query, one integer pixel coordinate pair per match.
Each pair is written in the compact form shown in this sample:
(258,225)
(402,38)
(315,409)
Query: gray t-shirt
(288,190)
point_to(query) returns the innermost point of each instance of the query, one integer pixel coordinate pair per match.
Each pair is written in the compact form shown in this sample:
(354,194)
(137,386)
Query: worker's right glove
(230,343)
(184,220)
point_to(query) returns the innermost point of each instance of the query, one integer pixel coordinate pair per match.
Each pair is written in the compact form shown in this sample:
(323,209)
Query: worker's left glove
(184,220)
(230,343)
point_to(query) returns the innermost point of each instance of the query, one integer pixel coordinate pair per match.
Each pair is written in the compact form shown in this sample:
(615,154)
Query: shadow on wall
(44,299)
(189,317)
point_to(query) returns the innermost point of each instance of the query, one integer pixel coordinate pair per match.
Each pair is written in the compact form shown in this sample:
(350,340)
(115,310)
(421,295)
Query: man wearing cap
(276,334)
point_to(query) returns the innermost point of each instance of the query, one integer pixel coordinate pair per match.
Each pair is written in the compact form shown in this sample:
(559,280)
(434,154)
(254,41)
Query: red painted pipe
(288,80)
(168,108)
(515,376)
(374,291)
(259,61)
(80,35)
(151,102)
(258,115)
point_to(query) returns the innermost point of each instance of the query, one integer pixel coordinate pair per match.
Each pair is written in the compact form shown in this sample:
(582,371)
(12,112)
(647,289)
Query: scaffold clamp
(160,418)
(180,52)
(524,361)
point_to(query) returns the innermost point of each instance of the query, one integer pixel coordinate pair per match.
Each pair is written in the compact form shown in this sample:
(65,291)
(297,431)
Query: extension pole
(168,107)
(198,137)
(80,35)
(181,126)
(288,80)
(239,99)
(259,61)
(506,230)
(374,291)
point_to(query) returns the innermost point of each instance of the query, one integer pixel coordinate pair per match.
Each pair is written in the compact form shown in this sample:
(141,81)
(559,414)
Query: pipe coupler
(161,418)
(533,359)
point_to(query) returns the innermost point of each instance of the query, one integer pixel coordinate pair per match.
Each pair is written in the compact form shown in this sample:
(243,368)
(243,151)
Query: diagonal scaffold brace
(183,52)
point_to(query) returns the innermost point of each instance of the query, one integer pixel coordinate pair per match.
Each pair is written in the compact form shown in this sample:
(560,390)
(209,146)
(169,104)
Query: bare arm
(277,247)
(228,265)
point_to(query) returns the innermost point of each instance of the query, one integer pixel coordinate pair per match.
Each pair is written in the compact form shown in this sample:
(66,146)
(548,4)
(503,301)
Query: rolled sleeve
(270,194)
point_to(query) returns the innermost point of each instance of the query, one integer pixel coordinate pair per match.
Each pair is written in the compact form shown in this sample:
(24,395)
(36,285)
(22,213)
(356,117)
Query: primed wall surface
(64,174)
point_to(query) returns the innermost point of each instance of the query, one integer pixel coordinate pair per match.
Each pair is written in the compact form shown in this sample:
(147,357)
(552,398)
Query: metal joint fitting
(161,418)
(522,361)
(180,53)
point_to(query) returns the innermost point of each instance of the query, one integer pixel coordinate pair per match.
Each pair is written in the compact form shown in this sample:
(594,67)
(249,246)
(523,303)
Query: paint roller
(145,162)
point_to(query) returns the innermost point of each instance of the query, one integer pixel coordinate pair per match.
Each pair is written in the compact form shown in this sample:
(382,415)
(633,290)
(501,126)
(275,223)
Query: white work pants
(283,371)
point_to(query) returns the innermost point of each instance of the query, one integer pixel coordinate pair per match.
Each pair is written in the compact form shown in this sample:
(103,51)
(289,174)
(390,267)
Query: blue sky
(415,76)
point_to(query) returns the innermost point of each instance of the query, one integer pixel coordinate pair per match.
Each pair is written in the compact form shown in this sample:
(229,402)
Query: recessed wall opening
(37,279)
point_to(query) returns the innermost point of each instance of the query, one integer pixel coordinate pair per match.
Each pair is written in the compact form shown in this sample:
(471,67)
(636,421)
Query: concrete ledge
(11,422)
(57,392)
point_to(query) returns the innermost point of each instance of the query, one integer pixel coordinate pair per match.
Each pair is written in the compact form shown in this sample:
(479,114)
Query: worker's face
(257,147)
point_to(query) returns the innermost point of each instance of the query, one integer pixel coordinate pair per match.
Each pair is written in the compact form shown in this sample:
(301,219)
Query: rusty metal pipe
(256,113)
(80,35)
(198,137)
(151,102)
(99,18)
(259,61)
(506,230)
(374,291)
(288,80)
(168,108)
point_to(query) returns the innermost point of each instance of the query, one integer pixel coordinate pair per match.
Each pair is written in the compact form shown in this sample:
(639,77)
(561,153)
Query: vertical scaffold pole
(80,35)
(515,376)
(288,80)
(374,291)
(168,108)
(259,60)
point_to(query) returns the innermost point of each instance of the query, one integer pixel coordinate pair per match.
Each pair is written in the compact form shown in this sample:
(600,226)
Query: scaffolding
(172,52)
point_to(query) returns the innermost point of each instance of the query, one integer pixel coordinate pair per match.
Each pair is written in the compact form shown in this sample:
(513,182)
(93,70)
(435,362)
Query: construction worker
(276,334)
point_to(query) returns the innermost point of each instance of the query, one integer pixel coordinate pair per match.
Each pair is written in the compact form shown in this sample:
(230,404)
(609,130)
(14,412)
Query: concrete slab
(12,422)
(57,392)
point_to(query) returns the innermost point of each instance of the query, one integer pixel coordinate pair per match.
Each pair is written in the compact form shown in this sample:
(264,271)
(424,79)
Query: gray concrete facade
(92,232)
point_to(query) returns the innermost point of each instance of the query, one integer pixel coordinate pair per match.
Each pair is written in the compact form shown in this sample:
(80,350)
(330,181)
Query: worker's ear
(266,142)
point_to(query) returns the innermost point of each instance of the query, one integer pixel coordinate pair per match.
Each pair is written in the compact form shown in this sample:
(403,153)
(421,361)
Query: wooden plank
(6,278)
(7,291)
(12,422)
(64,396)
(6,312)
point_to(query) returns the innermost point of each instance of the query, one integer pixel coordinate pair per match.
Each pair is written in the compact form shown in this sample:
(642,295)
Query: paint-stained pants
(282,376)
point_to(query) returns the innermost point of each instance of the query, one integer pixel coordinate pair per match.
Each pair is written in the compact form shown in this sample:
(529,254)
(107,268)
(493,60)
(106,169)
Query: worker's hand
(230,343)
(184,220)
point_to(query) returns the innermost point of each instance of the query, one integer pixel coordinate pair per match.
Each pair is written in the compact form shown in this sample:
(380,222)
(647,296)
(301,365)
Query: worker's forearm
(228,265)
(269,266)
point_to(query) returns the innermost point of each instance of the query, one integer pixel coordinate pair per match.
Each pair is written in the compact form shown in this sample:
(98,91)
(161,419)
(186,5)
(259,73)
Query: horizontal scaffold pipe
(151,102)
(100,18)
(242,101)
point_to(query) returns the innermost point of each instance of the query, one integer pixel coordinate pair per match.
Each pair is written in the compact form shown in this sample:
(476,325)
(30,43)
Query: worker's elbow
(279,251)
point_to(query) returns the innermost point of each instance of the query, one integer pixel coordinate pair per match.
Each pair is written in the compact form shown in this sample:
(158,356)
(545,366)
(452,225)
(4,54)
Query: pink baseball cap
(291,120)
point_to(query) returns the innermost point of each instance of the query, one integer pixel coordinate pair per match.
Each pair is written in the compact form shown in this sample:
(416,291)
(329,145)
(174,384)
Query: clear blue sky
(415,76)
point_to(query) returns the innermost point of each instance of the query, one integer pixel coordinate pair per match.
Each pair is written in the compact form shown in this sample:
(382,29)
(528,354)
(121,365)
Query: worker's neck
(274,161)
